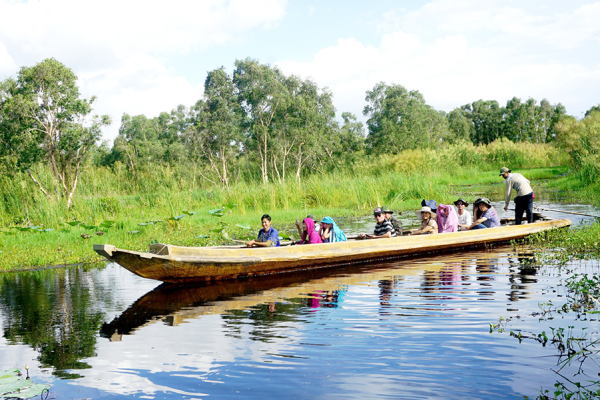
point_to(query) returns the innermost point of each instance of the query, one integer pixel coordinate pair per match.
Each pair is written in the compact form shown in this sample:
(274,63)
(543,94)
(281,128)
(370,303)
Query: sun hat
(504,170)
(386,210)
(429,203)
(422,210)
(312,216)
(461,199)
(483,200)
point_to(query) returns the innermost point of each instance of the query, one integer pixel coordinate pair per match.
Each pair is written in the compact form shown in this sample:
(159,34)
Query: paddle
(567,212)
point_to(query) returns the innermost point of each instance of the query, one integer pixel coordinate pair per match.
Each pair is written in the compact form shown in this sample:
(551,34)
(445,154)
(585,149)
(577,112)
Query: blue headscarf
(338,235)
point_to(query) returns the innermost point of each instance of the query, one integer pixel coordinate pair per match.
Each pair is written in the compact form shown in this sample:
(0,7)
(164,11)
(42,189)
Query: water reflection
(55,313)
(413,327)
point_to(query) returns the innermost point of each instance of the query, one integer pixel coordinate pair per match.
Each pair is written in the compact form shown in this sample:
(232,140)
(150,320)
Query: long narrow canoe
(177,264)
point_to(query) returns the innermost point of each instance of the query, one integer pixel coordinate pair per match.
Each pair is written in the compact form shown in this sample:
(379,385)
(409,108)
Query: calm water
(405,329)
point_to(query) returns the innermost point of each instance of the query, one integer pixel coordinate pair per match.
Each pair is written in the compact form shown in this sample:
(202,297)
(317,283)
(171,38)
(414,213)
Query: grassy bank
(166,204)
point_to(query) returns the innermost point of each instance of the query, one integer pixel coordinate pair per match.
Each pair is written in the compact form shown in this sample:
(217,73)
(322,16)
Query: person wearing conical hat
(428,224)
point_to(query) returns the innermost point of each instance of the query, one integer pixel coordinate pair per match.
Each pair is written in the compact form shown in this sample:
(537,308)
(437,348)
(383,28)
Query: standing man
(524,199)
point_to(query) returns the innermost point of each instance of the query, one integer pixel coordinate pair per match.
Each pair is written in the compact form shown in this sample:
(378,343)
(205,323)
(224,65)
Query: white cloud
(457,52)
(118,48)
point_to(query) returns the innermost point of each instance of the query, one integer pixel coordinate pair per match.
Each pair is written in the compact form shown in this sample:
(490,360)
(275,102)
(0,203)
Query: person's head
(504,172)
(313,217)
(308,224)
(425,213)
(327,222)
(483,203)
(387,212)
(379,215)
(444,210)
(461,205)
(266,222)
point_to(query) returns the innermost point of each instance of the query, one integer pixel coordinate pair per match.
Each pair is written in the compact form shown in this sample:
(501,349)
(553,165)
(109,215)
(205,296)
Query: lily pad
(243,226)
(89,227)
(146,223)
(107,224)
(133,232)
(284,236)
(203,237)
(14,386)
(8,379)
(34,390)
(74,223)
(217,212)
(45,230)
(177,218)
(230,205)
(190,212)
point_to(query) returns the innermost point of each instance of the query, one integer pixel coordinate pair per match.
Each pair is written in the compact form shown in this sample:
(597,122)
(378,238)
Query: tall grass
(398,181)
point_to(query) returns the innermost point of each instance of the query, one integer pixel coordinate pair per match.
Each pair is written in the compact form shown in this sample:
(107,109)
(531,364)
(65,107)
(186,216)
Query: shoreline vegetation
(163,205)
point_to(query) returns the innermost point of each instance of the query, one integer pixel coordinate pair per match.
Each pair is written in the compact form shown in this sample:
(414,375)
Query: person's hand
(297,224)
(505,208)
(363,236)
(250,243)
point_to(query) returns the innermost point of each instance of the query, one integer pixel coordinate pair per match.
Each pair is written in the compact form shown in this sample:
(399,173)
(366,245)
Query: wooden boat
(177,264)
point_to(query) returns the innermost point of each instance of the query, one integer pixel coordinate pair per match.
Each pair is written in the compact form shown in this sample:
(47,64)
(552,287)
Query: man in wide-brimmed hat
(524,199)
(393,220)
(428,224)
(465,219)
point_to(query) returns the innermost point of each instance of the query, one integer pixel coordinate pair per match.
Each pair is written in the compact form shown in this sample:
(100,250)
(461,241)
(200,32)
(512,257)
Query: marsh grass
(162,193)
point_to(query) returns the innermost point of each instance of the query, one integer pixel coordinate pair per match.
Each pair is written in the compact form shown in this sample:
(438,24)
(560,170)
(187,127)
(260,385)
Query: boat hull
(176,264)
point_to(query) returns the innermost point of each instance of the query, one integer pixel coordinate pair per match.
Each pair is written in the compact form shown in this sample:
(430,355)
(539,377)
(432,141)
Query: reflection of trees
(54,313)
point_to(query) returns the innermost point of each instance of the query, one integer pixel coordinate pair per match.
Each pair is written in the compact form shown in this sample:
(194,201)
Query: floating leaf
(133,232)
(230,205)
(74,223)
(14,386)
(177,218)
(158,221)
(243,226)
(146,223)
(203,237)
(217,212)
(89,227)
(190,212)
(33,391)
(8,379)
(45,230)
(217,230)
(107,224)
(284,236)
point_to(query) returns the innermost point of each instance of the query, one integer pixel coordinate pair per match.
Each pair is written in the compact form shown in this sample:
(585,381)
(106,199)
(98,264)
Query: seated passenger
(393,220)
(383,227)
(267,236)
(302,232)
(464,218)
(486,216)
(428,224)
(330,232)
(447,219)
(312,236)
(431,204)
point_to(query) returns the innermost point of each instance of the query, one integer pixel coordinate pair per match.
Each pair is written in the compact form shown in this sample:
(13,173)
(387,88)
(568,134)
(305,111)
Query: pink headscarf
(313,236)
(447,223)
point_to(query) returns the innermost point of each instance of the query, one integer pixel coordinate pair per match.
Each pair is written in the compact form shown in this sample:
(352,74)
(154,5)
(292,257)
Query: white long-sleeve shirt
(519,183)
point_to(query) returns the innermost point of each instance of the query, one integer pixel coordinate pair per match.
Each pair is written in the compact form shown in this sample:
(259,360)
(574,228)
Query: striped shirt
(383,228)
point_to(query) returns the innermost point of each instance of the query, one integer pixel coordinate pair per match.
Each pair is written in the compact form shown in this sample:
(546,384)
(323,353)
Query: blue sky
(144,57)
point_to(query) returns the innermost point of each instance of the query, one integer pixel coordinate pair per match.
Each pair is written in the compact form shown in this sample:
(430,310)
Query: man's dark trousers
(524,203)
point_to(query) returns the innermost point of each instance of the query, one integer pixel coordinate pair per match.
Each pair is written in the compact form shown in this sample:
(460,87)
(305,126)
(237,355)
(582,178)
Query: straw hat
(424,209)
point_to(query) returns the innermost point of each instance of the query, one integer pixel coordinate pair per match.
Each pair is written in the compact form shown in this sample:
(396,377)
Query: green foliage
(401,120)
(581,140)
